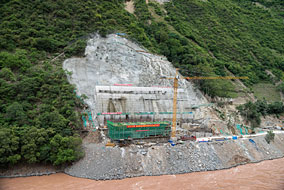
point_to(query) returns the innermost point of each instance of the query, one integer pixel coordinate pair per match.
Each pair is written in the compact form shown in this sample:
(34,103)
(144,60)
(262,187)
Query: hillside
(39,111)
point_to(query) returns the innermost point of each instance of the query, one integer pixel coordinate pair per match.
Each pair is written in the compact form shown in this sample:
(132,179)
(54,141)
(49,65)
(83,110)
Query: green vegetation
(253,111)
(234,32)
(157,8)
(280,87)
(269,136)
(238,36)
(39,112)
(266,91)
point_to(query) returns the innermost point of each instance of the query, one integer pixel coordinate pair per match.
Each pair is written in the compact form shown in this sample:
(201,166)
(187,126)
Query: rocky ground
(103,163)
(24,170)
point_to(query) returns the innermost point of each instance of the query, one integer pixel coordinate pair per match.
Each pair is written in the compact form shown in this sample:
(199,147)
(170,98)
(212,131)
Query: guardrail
(233,137)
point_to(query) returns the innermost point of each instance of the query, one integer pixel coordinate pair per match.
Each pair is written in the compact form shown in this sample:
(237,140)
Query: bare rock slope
(116,60)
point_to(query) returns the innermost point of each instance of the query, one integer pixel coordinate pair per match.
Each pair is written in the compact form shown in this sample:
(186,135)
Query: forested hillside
(39,111)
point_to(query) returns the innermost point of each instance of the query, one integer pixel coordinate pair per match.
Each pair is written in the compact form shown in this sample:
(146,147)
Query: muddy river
(264,175)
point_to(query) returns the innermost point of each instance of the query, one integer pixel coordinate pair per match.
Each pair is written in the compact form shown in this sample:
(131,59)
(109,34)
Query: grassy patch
(267,91)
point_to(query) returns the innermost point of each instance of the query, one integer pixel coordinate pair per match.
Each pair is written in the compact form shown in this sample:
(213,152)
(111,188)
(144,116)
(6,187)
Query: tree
(32,141)
(65,149)
(250,112)
(276,108)
(269,136)
(15,61)
(221,88)
(9,146)
(280,87)
(47,44)
(7,74)
(16,114)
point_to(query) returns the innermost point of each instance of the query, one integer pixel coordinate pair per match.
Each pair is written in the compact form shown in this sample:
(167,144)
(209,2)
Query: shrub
(280,87)
(269,136)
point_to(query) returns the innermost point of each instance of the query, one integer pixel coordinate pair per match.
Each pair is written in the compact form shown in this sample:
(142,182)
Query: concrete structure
(117,75)
(129,99)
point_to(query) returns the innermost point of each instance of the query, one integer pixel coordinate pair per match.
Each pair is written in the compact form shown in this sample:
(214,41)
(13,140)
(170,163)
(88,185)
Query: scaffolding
(138,130)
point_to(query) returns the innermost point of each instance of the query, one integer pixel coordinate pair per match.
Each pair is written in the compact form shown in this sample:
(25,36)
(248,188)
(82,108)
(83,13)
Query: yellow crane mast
(176,79)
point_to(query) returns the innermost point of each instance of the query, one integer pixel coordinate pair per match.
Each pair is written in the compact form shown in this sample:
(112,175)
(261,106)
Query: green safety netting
(221,131)
(88,119)
(135,130)
(84,121)
(243,129)
(88,113)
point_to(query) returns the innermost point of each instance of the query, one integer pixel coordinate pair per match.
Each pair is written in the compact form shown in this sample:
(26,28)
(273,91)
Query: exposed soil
(93,137)
(237,159)
(130,6)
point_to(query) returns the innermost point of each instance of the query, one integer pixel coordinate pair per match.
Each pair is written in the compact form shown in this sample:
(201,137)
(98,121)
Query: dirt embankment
(24,170)
(103,163)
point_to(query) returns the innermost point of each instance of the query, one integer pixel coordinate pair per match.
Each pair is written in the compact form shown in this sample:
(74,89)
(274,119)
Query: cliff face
(114,61)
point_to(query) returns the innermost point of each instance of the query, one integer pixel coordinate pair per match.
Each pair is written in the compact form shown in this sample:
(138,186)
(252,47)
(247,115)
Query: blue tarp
(252,141)
(121,34)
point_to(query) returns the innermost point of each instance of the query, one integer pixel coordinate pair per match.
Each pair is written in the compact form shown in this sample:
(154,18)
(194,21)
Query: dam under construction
(121,82)
(127,118)
(125,103)
(124,83)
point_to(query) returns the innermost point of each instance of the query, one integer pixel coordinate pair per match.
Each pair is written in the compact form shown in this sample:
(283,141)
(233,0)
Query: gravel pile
(102,163)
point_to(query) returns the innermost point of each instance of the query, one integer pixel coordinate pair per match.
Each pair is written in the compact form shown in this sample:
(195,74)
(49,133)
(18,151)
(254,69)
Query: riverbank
(102,163)
(105,163)
(266,175)
(24,170)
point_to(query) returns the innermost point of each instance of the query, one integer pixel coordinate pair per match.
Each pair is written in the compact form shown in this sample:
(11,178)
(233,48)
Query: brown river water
(263,175)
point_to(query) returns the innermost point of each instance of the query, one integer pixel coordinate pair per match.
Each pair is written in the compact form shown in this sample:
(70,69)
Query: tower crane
(176,79)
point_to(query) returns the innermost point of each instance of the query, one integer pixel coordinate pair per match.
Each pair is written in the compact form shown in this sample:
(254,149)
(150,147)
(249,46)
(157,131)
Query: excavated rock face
(116,60)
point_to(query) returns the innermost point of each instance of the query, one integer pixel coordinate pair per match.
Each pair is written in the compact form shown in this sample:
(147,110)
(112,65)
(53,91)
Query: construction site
(126,84)
(121,92)
(141,111)
(146,108)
